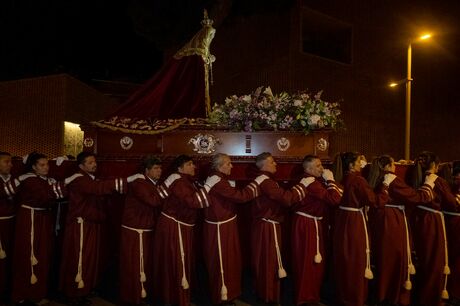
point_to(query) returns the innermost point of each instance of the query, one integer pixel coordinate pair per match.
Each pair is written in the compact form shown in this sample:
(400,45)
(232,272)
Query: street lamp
(408,81)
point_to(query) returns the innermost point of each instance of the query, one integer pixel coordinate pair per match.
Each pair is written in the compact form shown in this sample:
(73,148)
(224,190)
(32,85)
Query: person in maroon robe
(308,245)
(390,232)
(351,244)
(221,244)
(80,261)
(268,213)
(34,239)
(453,228)
(430,234)
(8,189)
(138,221)
(173,252)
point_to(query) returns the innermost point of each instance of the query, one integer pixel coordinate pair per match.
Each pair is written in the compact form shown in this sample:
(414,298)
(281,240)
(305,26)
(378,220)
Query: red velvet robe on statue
(264,259)
(389,242)
(349,239)
(223,198)
(429,246)
(139,214)
(176,91)
(8,190)
(308,274)
(172,273)
(36,199)
(86,213)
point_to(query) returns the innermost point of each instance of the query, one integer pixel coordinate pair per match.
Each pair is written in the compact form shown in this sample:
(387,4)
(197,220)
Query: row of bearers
(27,209)
(160,262)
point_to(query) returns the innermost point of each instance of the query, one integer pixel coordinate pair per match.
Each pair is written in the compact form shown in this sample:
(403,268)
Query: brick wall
(33,112)
(266,50)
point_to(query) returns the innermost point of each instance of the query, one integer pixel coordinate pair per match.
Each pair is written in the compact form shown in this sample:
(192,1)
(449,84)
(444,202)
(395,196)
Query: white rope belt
(318,258)
(444,294)
(180,222)
(449,213)
(410,265)
(7,217)
(33,259)
(79,276)
(34,208)
(142,276)
(281,271)
(184,282)
(2,251)
(400,207)
(367,272)
(223,289)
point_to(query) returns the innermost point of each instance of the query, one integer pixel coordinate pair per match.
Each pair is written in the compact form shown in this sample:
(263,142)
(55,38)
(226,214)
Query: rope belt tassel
(33,259)
(2,251)
(281,271)
(184,281)
(318,258)
(410,265)
(367,272)
(446,271)
(223,289)
(142,275)
(79,276)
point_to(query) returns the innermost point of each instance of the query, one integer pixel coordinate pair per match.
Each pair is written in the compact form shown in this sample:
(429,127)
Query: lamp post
(408,103)
(408,82)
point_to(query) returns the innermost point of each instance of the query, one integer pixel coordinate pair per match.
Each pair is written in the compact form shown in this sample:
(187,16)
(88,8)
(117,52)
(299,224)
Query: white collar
(6,178)
(153,181)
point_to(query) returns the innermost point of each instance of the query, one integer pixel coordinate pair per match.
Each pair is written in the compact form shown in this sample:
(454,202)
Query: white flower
(298,103)
(268,91)
(318,95)
(247,98)
(313,120)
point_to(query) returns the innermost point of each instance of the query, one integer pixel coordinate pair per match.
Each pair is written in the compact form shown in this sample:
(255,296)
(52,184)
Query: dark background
(257,43)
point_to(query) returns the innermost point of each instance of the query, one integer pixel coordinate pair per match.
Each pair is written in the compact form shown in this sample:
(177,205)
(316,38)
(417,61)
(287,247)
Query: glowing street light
(425,36)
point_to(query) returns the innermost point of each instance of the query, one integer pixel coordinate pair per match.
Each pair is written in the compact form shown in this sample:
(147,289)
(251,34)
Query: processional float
(169,115)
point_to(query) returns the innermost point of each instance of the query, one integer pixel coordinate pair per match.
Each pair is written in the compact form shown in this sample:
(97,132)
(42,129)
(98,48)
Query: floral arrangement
(261,110)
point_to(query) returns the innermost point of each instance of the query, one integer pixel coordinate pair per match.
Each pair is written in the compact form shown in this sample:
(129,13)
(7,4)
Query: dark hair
(455,167)
(308,159)
(82,156)
(456,171)
(32,160)
(445,171)
(149,161)
(4,153)
(179,161)
(342,163)
(261,158)
(376,170)
(424,162)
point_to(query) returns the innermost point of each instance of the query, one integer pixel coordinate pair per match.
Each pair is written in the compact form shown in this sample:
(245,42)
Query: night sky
(109,40)
(130,40)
